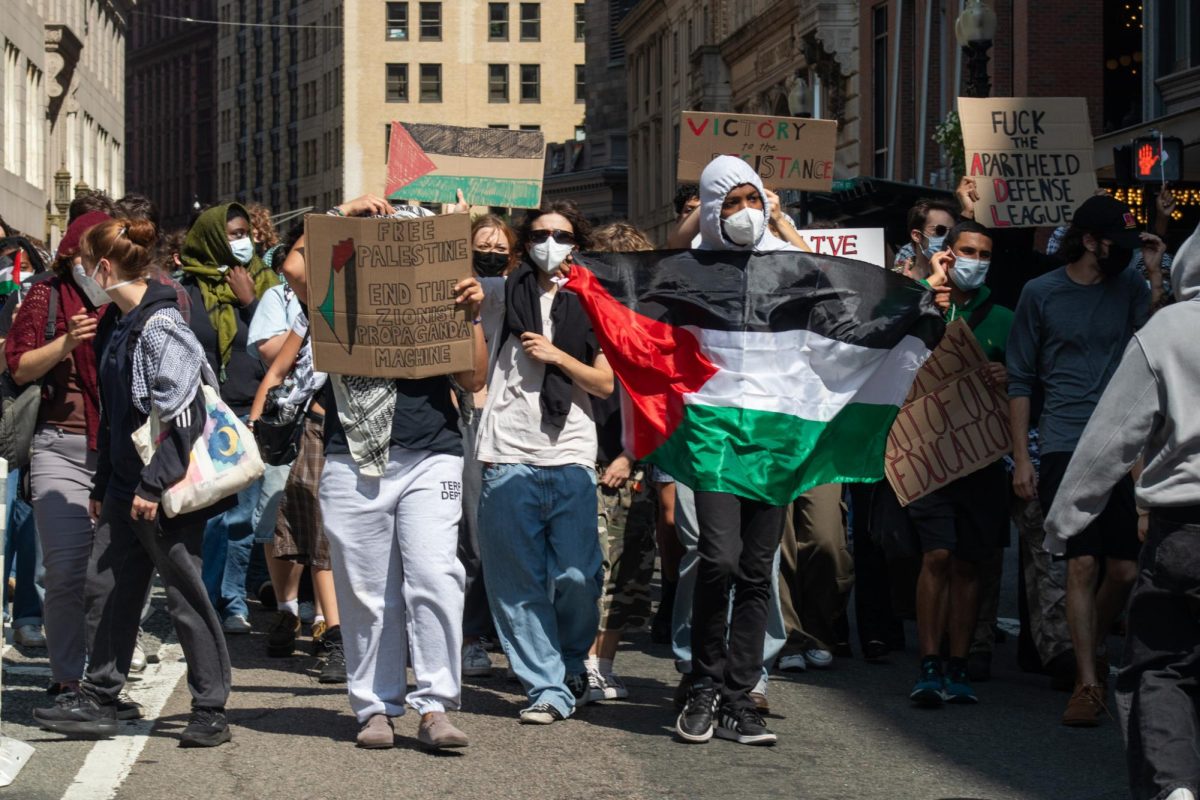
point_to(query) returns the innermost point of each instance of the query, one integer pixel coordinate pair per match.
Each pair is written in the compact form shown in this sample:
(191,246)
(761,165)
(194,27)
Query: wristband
(335,211)
(477,321)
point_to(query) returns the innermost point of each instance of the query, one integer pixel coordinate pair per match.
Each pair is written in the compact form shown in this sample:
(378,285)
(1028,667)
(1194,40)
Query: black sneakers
(578,684)
(744,726)
(206,728)
(695,722)
(281,638)
(334,668)
(76,714)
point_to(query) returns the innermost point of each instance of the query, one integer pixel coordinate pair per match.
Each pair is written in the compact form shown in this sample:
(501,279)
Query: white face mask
(745,227)
(87,284)
(935,245)
(549,255)
(969,274)
(243,249)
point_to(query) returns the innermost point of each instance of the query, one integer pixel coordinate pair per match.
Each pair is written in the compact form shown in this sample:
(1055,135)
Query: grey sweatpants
(126,554)
(61,475)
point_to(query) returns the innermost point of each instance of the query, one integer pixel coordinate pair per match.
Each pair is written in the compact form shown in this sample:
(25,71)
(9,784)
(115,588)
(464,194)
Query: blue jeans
(540,550)
(22,543)
(228,539)
(688,530)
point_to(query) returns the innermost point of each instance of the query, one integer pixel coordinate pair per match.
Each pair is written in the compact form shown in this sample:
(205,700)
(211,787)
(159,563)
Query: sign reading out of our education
(492,166)
(953,422)
(786,152)
(1031,158)
(381,295)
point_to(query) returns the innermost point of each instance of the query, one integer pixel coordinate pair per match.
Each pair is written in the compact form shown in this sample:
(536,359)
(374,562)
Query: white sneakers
(138,662)
(29,636)
(813,657)
(475,661)
(793,663)
(236,623)
(1181,794)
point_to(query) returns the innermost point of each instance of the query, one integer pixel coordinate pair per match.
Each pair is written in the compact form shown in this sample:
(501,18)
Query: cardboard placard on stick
(1031,158)
(492,166)
(860,244)
(953,423)
(786,152)
(381,295)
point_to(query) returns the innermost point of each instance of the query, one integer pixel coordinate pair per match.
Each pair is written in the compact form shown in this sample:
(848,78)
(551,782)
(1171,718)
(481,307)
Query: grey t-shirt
(1068,339)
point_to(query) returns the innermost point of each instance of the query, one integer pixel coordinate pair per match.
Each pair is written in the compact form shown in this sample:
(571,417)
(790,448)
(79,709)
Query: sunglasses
(562,237)
(939,230)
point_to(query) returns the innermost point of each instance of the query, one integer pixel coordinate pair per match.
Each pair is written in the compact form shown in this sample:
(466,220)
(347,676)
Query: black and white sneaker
(207,727)
(334,668)
(77,714)
(744,726)
(695,722)
(578,684)
(541,714)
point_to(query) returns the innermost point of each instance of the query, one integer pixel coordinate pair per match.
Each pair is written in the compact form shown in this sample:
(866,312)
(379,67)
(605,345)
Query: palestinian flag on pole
(761,375)
(10,277)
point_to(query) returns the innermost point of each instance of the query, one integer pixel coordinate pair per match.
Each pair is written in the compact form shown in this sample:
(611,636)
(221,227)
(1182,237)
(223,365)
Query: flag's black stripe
(450,140)
(848,301)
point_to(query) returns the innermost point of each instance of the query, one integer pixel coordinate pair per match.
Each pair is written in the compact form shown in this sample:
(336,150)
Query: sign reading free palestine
(786,152)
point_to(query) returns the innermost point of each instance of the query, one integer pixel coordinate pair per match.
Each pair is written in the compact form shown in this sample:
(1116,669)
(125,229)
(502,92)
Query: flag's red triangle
(406,160)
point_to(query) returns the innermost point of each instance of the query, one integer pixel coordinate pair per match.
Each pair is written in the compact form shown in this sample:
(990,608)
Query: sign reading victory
(381,295)
(1031,158)
(786,152)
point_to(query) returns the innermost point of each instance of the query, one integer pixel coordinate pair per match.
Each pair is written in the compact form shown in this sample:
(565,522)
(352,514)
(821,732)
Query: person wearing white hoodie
(737,539)
(1147,413)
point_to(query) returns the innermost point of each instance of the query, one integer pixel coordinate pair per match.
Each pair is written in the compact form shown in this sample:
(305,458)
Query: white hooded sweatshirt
(723,174)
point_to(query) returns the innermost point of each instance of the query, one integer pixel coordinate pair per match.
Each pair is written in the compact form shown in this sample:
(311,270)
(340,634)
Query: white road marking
(110,760)
(28,669)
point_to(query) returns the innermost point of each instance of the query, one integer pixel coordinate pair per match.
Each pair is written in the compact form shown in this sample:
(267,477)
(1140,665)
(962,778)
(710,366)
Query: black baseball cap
(1109,219)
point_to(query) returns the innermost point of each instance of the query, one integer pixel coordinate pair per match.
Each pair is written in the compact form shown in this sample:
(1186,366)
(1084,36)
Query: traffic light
(1156,160)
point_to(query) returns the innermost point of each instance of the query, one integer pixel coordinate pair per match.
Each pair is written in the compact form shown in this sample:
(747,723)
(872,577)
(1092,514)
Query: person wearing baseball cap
(1071,327)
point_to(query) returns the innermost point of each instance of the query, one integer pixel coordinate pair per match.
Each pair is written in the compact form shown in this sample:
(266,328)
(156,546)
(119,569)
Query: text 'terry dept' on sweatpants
(61,475)
(393,546)
(543,568)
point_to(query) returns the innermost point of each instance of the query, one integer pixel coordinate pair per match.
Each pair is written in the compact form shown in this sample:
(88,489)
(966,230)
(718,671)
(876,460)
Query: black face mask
(1116,261)
(490,265)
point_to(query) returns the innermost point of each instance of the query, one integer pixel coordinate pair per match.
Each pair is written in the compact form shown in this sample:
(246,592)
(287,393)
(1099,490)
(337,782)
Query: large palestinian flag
(760,375)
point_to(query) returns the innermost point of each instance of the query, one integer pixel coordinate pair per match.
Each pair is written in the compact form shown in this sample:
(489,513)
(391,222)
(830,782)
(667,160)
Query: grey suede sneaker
(377,734)
(436,732)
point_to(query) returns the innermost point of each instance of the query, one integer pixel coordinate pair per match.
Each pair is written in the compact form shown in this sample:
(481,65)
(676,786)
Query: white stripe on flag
(803,374)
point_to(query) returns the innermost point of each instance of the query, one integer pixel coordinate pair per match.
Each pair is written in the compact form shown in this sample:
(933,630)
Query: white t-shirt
(511,429)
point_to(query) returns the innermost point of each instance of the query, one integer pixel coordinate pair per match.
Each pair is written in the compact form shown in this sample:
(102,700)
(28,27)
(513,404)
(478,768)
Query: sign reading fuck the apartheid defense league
(953,423)
(786,152)
(1031,158)
(381,296)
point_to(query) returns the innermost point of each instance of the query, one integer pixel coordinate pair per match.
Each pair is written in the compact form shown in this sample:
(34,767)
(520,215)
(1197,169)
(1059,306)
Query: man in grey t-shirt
(1070,329)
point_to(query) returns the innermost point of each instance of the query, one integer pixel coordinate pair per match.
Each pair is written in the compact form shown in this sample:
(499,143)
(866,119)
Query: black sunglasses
(939,230)
(562,237)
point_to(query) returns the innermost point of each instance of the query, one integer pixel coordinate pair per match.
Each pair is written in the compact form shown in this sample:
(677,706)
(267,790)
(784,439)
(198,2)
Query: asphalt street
(848,732)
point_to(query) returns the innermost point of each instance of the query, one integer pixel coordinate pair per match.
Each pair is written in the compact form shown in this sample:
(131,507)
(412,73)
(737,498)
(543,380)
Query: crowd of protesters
(427,522)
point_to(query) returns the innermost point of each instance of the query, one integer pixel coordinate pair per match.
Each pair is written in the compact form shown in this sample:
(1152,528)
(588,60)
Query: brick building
(170,108)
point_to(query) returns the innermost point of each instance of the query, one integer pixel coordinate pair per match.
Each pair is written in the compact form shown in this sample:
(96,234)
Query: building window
(387,141)
(431,22)
(498,127)
(497,22)
(531,83)
(879,86)
(580,133)
(431,83)
(531,127)
(580,83)
(531,22)
(397,22)
(397,83)
(580,27)
(497,83)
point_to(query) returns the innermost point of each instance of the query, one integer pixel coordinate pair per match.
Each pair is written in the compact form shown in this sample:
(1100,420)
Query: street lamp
(975,30)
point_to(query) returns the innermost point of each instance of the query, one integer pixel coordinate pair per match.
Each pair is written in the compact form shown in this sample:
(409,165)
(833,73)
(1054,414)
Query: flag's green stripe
(773,457)
(7,287)
(478,191)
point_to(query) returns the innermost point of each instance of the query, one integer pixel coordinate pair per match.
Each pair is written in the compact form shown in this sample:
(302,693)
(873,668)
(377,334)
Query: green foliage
(948,134)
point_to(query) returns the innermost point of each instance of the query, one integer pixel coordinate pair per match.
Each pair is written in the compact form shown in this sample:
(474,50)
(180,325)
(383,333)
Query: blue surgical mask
(969,274)
(243,250)
(935,245)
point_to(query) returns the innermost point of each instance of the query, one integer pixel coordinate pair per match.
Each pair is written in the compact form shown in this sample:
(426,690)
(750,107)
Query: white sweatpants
(393,544)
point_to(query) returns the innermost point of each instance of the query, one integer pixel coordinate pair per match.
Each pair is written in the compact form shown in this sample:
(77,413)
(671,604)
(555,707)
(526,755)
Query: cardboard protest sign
(492,166)
(381,295)
(786,152)
(860,244)
(953,422)
(1031,158)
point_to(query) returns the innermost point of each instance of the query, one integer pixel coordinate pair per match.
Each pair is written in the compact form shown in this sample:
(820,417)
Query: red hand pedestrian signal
(1146,159)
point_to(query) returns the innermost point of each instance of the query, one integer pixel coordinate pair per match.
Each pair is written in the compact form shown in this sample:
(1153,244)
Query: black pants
(875,617)
(125,554)
(1161,684)
(738,540)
